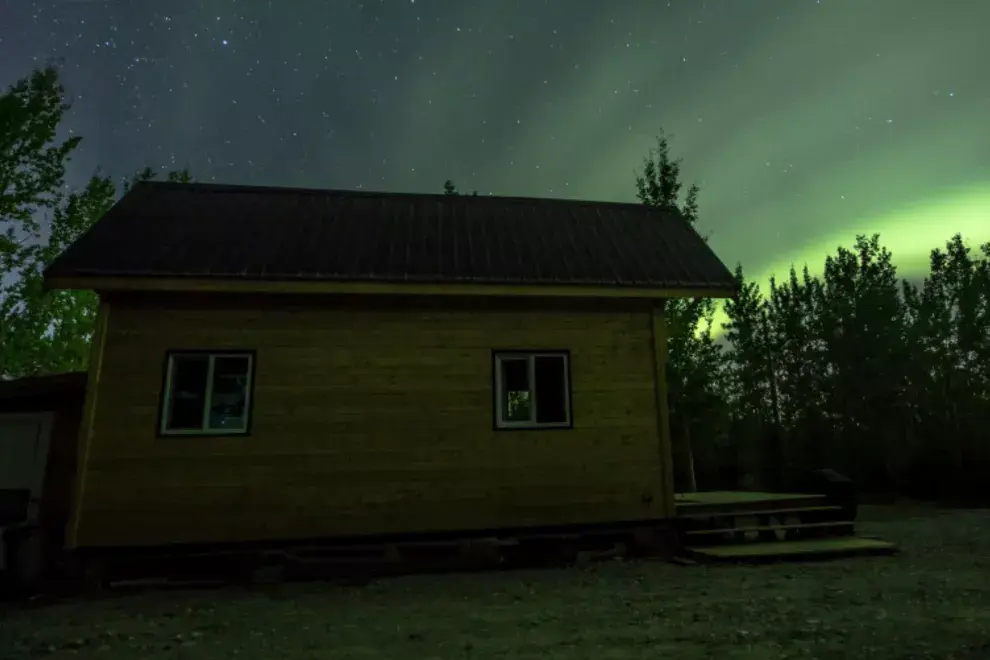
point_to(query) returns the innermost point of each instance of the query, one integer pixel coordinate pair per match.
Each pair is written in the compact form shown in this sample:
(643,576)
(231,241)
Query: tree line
(856,369)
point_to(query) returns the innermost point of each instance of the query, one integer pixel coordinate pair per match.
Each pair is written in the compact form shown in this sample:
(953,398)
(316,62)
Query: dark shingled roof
(221,231)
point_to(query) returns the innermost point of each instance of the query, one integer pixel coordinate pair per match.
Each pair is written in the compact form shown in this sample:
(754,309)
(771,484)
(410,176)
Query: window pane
(516,397)
(228,402)
(187,396)
(551,390)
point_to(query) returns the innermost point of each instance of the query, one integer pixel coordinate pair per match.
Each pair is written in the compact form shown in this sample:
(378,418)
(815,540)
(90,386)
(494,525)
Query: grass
(931,601)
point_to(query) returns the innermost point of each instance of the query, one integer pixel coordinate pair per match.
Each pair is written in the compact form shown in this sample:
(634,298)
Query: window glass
(551,389)
(187,398)
(517,400)
(228,397)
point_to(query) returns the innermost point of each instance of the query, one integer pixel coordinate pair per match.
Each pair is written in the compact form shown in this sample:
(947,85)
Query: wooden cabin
(280,364)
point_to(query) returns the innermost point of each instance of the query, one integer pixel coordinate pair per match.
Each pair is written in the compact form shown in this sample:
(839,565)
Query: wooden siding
(370,420)
(60,474)
(664,446)
(86,426)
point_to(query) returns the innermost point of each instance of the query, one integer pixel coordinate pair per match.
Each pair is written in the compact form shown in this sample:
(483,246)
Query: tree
(747,351)
(792,318)
(751,384)
(44,332)
(32,162)
(32,174)
(695,361)
(874,376)
(49,332)
(950,379)
(450,189)
(862,325)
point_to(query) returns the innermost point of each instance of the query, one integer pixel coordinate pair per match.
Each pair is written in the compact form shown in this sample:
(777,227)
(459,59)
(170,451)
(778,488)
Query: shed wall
(65,409)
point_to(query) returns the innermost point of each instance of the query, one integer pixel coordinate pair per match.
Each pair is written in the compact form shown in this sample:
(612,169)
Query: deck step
(701,515)
(849,545)
(771,528)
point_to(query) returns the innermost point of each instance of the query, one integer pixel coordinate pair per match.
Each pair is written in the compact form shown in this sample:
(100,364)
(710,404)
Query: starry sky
(804,122)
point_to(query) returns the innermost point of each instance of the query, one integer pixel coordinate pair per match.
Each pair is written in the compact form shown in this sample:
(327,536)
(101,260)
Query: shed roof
(72,383)
(181,230)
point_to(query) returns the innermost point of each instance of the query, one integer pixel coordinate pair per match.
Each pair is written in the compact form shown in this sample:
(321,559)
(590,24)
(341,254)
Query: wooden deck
(756,526)
(739,502)
(736,497)
(806,549)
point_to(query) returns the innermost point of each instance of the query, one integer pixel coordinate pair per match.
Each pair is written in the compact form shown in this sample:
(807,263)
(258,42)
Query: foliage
(948,384)
(49,332)
(32,161)
(450,189)
(869,374)
(695,362)
(32,172)
(44,331)
(750,385)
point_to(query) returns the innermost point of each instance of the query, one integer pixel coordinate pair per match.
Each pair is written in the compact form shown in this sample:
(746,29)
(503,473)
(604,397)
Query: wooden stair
(726,526)
(831,510)
(780,532)
(842,546)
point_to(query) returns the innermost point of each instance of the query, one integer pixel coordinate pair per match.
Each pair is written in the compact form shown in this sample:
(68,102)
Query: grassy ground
(931,601)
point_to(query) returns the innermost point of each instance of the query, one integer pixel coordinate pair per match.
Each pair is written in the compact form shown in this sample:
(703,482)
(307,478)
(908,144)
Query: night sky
(804,121)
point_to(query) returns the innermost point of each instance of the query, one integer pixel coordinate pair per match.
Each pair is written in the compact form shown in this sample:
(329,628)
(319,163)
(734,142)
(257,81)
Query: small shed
(39,430)
(282,364)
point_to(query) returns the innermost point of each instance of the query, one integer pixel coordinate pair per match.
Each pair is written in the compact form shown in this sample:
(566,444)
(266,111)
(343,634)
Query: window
(207,393)
(532,390)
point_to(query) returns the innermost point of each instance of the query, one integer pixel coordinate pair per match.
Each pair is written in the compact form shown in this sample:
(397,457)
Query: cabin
(285,364)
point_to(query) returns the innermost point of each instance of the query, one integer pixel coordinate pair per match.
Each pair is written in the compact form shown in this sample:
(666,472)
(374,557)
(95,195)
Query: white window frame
(208,399)
(530,357)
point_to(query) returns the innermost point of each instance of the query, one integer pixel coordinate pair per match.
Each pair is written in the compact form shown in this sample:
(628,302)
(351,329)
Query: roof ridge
(344,192)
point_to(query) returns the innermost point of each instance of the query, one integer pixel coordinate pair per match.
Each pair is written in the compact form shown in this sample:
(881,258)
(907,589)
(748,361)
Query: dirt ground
(931,601)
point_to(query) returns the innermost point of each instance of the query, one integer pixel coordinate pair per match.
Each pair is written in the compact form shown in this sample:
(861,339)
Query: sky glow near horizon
(910,233)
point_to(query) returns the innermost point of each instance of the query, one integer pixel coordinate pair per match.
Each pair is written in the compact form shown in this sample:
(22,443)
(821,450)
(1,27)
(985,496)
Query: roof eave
(107,283)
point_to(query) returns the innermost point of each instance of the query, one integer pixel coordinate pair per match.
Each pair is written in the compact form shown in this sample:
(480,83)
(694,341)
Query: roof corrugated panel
(221,231)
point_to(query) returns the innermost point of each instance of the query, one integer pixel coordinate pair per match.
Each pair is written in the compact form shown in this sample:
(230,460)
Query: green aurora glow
(909,233)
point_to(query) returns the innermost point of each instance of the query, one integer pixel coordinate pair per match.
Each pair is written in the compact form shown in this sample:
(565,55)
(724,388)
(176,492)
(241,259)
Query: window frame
(165,398)
(498,423)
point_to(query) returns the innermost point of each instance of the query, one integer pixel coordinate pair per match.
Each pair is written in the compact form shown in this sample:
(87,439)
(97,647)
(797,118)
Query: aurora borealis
(805,122)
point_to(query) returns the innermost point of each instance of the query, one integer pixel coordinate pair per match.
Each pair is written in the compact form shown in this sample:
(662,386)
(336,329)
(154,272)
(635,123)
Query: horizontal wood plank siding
(369,420)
